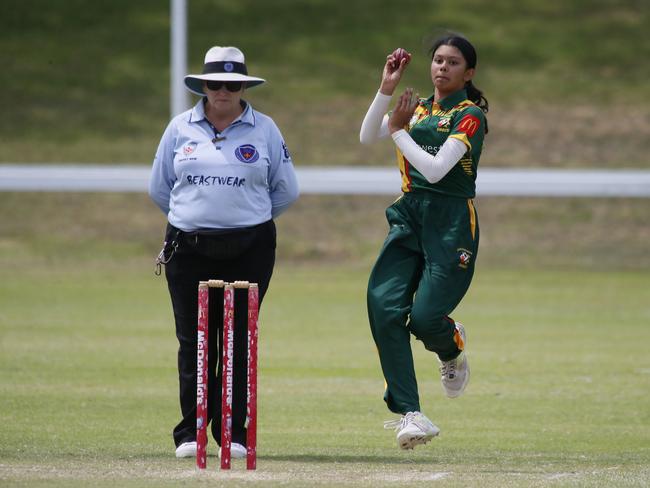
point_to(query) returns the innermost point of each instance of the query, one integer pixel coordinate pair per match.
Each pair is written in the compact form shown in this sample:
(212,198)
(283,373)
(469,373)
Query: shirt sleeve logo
(247,153)
(469,125)
(285,150)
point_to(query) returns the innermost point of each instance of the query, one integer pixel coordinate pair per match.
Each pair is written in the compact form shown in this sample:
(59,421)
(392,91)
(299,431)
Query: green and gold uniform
(427,261)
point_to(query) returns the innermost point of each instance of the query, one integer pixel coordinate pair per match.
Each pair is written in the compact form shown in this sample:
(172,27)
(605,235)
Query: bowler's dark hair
(469,53)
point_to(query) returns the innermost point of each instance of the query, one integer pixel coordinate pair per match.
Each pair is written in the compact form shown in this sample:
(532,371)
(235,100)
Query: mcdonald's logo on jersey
(469,125)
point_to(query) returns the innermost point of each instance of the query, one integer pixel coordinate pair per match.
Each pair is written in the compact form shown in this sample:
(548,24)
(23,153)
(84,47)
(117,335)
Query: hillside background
(567,82)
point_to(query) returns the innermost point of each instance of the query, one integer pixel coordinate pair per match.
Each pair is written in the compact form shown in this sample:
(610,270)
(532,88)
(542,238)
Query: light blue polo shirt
(240,177)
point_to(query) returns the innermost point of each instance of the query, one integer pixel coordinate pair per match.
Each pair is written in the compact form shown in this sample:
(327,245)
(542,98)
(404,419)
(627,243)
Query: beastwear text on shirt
(215,180)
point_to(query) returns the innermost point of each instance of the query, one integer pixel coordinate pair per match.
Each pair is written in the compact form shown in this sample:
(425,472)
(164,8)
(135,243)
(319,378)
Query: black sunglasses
(231,86)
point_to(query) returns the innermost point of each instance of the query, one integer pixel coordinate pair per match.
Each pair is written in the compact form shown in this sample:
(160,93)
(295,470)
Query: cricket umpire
(221,174)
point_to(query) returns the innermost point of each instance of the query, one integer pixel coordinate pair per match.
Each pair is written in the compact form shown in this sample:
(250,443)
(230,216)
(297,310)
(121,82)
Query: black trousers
(242,255)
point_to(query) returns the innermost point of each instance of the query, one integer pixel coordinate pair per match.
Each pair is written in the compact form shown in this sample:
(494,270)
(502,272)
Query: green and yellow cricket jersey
(432,123)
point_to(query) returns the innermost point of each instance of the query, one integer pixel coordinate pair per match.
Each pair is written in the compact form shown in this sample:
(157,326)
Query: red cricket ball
(398,55)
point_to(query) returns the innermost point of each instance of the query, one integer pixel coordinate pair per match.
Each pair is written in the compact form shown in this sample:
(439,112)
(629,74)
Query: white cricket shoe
(237,451)
(454,374)
(186,449)
(412,429)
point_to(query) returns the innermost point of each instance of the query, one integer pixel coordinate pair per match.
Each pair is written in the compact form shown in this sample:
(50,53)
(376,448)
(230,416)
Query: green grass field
(559,394)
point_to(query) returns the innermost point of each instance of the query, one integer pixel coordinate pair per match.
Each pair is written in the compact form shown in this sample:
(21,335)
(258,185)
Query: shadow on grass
(302,458)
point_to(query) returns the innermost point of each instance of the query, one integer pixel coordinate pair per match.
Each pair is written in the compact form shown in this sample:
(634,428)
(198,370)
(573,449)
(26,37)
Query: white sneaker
(237,451)
(454,374)
(412,429)
(186,449)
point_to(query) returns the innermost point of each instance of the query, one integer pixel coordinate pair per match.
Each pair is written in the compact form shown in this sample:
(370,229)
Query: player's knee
(425,326)
(376,300)
(383,314)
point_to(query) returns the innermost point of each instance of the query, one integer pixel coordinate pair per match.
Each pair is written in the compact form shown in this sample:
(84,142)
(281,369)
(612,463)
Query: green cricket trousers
(423,271)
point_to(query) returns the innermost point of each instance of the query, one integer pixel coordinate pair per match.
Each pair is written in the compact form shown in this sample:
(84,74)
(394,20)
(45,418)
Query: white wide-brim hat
(222,64)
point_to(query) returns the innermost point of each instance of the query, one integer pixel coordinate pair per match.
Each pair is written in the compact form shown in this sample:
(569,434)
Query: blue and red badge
(247,153)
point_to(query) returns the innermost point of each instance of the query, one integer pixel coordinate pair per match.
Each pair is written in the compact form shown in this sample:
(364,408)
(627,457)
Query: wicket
(227,372)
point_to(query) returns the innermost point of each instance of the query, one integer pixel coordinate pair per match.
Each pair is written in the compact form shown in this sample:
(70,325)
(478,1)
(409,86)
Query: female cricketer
(427,261)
